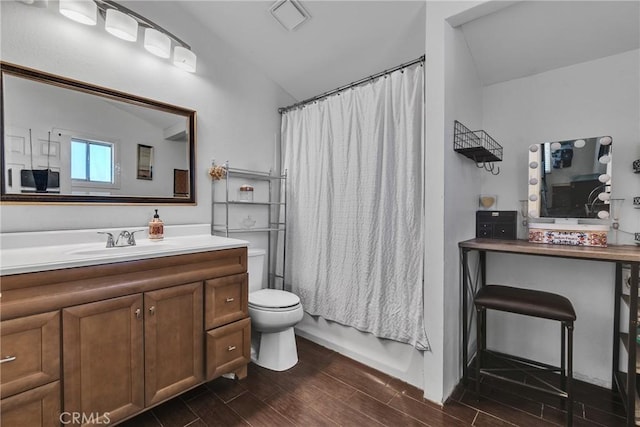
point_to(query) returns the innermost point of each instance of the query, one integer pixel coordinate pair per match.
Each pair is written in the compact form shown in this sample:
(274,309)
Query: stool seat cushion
(525,301)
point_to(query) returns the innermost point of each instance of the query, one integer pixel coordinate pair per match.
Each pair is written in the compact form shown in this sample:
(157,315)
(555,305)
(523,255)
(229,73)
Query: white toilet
(273,315)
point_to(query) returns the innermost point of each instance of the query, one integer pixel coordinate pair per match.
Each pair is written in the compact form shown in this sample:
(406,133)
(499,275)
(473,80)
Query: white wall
(600,97)
(453,92)
(236,105)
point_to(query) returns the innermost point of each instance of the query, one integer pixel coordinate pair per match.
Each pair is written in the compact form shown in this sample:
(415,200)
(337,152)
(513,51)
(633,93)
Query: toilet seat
(273,300)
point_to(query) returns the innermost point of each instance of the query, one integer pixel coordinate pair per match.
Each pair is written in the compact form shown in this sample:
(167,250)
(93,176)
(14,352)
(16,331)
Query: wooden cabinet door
(39,407)
(226,300)
(103,358)
(174,337)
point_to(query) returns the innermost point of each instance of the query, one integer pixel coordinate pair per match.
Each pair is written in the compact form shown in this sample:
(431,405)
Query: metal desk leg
(631,362)
(463,295)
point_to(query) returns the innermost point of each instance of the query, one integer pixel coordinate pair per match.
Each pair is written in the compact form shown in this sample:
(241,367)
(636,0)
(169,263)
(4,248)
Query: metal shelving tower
(276,207)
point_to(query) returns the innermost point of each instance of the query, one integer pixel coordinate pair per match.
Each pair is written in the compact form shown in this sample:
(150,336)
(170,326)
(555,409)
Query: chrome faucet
(110,243)
(127,236)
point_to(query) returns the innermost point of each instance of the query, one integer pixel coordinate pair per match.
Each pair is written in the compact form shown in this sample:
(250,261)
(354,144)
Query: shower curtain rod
(350,85)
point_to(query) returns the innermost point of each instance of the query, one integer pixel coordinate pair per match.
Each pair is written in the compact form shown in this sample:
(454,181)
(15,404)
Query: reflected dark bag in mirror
(496,224)
(40,180)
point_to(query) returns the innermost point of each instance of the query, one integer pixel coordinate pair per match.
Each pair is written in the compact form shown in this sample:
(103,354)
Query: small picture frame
(180,182)
(145,162)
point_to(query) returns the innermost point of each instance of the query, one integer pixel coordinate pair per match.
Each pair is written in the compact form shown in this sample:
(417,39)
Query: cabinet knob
(230,299)
(152,310)
(231,348)
(10,359)
(137,313)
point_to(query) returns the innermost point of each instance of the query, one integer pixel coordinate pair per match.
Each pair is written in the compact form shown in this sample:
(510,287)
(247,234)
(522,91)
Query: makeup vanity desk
(621,255)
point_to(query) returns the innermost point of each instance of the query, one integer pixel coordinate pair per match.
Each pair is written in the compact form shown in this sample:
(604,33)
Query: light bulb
(605,140)
(605,159)
(185,59)
(533,148)
(121,25)
(82,11)
(579,143)
(157,43)
(533,165)
(604,196)
(533,181)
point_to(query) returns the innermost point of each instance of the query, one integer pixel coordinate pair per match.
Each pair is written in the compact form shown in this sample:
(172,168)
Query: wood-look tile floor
(328,389)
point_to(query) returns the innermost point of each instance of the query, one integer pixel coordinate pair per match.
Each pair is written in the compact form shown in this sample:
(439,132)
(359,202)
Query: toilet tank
(255,268)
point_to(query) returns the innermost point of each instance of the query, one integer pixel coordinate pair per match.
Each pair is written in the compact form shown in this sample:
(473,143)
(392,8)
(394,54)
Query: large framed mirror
(65,141)
(571,179)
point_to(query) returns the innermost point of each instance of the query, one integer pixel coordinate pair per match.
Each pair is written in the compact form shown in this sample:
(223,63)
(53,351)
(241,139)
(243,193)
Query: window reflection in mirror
(570,179)
(88,137)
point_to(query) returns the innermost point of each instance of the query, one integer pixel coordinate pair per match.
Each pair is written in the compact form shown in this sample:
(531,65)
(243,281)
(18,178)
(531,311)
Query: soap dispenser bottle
(156,227)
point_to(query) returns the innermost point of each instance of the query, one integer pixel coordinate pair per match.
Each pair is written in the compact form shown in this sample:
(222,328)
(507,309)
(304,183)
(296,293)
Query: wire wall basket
(478,146)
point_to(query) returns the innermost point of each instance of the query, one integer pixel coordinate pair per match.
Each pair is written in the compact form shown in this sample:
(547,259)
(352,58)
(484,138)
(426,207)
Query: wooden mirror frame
(62,82)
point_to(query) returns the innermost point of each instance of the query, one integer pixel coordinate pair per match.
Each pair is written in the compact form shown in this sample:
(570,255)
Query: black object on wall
(497,224)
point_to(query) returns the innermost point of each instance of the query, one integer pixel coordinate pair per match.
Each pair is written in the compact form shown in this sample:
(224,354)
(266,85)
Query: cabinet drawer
(228,348)
(30,352)
(226,300)
(39,407)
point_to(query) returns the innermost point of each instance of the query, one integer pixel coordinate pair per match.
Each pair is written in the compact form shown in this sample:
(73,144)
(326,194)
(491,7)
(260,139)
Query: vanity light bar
(123,23)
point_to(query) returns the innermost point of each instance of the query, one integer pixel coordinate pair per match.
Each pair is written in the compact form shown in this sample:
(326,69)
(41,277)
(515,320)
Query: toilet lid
(273,298)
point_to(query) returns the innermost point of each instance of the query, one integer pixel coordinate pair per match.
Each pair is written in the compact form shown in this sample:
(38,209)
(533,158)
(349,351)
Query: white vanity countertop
(53,250)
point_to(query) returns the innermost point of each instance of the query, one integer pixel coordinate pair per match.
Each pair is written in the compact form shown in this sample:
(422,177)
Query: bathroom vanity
(107,335)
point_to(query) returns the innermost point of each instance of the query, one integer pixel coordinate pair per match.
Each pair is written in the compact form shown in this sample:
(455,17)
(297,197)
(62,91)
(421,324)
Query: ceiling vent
(289,13)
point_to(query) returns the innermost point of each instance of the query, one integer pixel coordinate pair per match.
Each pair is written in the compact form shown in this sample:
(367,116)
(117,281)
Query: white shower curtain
(355,206)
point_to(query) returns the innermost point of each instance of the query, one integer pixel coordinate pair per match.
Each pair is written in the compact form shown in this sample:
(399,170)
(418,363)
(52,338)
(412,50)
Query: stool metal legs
(566,363)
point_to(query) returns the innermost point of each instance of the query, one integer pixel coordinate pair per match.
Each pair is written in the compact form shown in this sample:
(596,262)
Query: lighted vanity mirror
(65,141)
(570,179)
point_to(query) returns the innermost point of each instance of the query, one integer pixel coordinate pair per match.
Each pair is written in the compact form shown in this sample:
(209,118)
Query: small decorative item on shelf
(217,172)
(487,201)
(247,222)
(636,166)
(636,202)
(245,194)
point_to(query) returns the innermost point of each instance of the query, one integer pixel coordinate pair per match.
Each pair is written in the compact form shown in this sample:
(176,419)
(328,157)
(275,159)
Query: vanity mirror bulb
(533,148)
(579,143)
(604,159)
(555,146)
(533,181)
(605,140)
(533,214)
(533,197)
(604,196)
(533,165)
(604,178)
(603,214)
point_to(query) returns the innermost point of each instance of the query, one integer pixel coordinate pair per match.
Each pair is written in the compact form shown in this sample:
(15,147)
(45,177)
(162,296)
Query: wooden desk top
(624,253)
